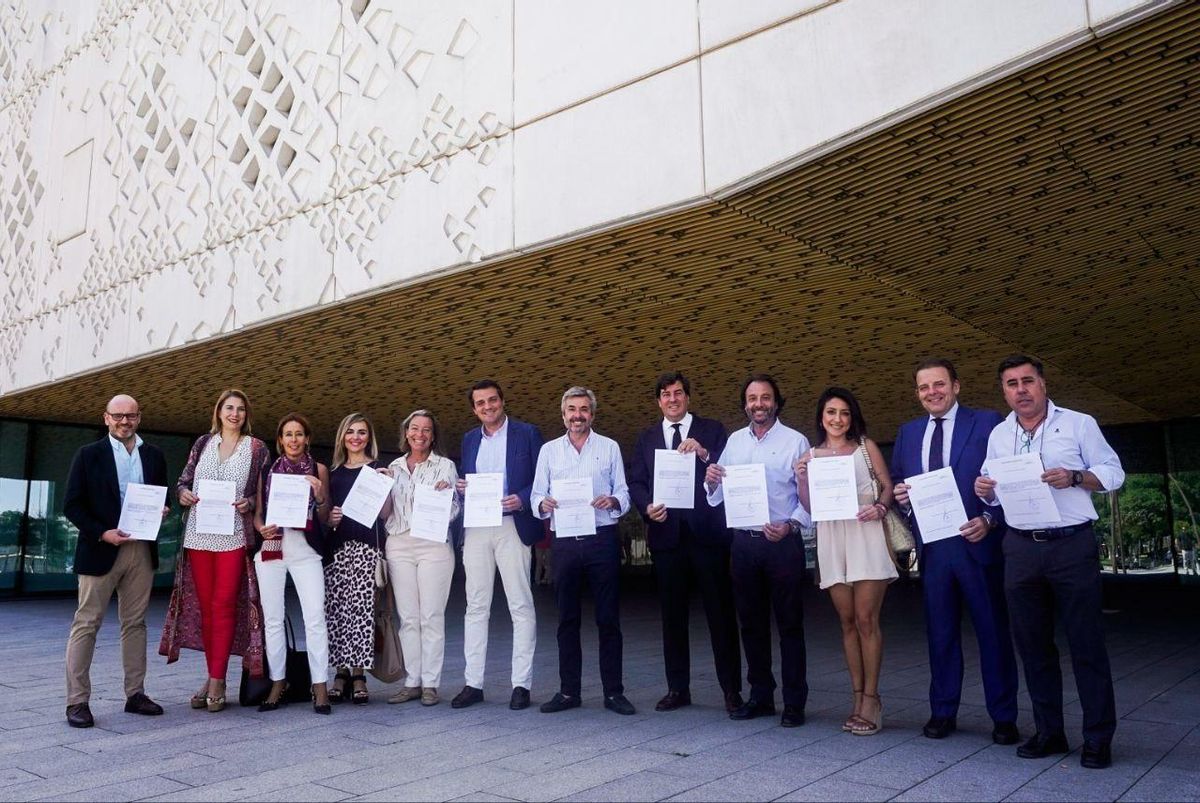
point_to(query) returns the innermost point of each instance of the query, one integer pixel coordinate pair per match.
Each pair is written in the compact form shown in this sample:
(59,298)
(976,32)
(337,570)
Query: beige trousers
(420,572)
(131,577)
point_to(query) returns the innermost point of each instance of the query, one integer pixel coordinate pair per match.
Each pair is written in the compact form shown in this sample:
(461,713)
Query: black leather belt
(1053,533)
(751,533)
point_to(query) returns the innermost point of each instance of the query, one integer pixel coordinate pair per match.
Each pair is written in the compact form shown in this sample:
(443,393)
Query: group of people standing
(229,589)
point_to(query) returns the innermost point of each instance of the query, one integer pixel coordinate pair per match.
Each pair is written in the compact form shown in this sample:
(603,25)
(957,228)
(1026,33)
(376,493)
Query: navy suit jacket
(968,450)
(524,442)
(92,501)
(707,523)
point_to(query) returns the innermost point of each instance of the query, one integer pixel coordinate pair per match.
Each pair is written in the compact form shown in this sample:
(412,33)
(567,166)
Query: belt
(751,533)
(1053,533)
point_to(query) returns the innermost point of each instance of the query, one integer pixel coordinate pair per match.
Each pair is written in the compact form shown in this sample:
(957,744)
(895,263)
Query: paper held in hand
(483,500)
(746,496)
(1026,500)
(367,496)
(574,515)
(214,512)
(675,479)
(142,511)
(430,518)
(937,505)
(287,504)
(832,488)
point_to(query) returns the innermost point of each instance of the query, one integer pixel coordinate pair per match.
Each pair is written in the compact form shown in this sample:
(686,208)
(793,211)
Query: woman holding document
(285,548)
(215,605)
(419,556)
(852,552)
(350,576)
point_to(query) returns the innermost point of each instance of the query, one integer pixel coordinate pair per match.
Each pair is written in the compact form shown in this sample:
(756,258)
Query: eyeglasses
(123,416)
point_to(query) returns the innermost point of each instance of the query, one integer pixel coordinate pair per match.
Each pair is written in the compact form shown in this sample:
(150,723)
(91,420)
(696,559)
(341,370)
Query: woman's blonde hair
(339,444)
(404,447)
(216,418)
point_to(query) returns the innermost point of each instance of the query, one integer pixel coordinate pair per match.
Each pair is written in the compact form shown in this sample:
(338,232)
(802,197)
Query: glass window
(13,490)
(50,549)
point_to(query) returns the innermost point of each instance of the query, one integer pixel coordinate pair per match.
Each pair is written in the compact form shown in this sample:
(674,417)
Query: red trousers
(218,577)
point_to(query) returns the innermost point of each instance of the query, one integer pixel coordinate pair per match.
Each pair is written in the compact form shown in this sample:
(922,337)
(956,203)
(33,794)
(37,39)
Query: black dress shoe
(618,704)
(672,700)
(141,704)
(1041,745)
(468,696)
(939,727)
(1006,733)
(80,716)
(793,716)
(752,708)
(733,701)
(1095,755)
(520,699)
(559,702)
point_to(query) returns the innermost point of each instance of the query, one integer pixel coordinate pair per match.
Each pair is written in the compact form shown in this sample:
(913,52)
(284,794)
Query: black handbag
(252,691)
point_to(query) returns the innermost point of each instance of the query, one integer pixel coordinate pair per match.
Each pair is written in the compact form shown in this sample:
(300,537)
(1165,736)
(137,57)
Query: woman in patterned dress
(350,576)
(215,604)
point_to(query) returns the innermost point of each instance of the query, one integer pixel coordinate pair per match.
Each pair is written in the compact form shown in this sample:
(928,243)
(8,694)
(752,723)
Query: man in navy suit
(107,560)
(961,570)
(500,445)
(690,548)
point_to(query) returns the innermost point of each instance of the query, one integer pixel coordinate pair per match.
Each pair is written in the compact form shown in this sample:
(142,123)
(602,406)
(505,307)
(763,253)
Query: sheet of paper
(936,505)
(1026,500)
(430,518)
(674,479)
(746,496)
(367,496)
(574,515)
(832,488)
(141,514)
(287,504)
(214,512)
(481,500)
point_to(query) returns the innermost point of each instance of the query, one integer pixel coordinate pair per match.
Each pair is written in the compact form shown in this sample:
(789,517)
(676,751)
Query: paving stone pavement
(486,752)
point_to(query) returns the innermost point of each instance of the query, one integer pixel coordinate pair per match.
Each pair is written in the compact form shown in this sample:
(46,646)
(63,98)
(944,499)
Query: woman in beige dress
(853,555)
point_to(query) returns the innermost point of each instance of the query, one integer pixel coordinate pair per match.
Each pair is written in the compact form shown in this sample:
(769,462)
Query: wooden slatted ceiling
(1053,212)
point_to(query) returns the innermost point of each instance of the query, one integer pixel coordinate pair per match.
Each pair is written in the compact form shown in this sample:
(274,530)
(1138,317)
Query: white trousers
(420,572)
(486,549)
(304,565)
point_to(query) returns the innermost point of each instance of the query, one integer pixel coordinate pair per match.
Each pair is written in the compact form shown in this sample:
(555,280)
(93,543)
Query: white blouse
(429,472)
(236,470)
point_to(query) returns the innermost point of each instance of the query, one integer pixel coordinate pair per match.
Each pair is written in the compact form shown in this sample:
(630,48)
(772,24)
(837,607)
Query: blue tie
(935,445)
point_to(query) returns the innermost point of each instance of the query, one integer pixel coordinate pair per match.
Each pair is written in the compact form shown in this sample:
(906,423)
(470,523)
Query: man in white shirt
(584,454)
(1052,566)
(768,561)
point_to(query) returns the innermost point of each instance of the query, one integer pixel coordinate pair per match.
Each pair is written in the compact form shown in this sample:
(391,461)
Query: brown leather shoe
(80,716)
(673,700)
(733,701)
(141,704)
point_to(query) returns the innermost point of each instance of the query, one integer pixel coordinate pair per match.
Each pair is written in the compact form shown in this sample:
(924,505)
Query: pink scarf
(272,548)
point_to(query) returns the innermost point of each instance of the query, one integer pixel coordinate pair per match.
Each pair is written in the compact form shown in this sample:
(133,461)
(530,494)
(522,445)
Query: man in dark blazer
(108,560)
(500,445)
(690,548)
(960,570)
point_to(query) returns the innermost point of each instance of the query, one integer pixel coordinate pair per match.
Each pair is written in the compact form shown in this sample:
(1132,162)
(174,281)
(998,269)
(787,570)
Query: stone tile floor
(387,752)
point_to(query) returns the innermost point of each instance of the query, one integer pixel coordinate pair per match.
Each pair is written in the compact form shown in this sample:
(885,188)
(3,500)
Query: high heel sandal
(848,725)
(200,699)
(268,705)
(215,704)
(326,708)
(340,694)
(864,726)
(360,696)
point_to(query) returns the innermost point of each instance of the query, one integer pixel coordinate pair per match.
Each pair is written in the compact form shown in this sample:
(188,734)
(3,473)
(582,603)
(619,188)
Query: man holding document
(498,459)
(116,479)
(958,540)
(579,484)
(687,538)
(1044,462)
(754,478)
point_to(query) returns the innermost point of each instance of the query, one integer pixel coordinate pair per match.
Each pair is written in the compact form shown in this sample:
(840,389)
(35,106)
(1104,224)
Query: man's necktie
(676,439)
(935,445)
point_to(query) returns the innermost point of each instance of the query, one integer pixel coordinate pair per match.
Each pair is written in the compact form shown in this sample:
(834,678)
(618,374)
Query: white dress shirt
(129,464)
(778,450)
(947,437)
(600,459)
(493,452)
(685,426)
(1065,439)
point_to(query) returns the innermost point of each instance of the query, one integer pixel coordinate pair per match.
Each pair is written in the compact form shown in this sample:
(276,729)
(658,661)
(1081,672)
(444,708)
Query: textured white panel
(205,280)
(1103,11)
(566,52)
(96,328)
(784,91)
(622,154)
(722,20)
(282,268)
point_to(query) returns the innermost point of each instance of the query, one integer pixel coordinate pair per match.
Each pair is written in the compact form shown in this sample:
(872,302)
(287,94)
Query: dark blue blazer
(968,450)
(524,442)
(706,523)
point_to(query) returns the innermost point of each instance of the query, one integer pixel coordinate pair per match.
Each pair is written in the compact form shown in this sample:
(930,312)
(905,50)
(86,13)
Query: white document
(142,511)
(287,503)
(430,518)
(1026,500)
(746,496)
(832,488)
(574,515)
(675,479)
(367,496)
(214,512)
(482,500)
(936,504)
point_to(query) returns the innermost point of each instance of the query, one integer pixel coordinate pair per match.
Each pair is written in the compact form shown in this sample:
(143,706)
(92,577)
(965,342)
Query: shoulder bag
(895,528)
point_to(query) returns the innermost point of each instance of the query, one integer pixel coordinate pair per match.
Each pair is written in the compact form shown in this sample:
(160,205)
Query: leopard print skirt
(350,605)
